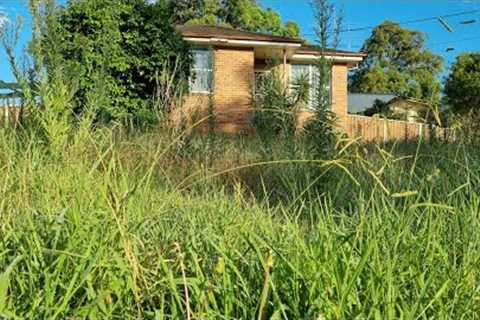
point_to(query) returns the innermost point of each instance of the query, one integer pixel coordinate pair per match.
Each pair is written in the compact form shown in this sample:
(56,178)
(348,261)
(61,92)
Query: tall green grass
(110,224)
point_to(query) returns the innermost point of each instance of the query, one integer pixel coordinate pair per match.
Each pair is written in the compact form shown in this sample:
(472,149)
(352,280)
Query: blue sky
(365,13)
(357,13)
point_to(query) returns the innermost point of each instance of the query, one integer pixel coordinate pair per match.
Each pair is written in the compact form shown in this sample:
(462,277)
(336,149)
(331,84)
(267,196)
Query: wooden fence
(383,130)
(9,114)
(368,128)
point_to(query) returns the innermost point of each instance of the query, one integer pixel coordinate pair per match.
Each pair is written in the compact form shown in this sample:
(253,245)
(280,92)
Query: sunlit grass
(113,225)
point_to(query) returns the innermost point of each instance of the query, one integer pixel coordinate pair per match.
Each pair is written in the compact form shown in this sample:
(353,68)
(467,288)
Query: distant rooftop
(359,102)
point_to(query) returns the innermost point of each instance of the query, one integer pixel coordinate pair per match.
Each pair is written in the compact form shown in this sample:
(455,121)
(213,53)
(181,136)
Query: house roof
(209,31)
(359,102)
(216,32)
(409,103)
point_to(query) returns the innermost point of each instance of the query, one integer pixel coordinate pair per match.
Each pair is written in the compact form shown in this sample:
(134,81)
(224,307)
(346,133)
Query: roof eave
(333,53)
(351,60)
(241,42)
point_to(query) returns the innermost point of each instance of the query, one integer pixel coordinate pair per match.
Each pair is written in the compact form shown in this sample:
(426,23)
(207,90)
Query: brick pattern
(233,84)
(339,88)
(231,98)
(193,112)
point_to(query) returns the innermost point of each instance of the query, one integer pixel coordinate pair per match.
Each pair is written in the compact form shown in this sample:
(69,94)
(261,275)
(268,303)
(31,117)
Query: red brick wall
(233,79)
(232,92)
(340,89)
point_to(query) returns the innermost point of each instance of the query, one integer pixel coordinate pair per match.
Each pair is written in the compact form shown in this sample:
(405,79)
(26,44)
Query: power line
(433,44)
(408,21)
(417,20)
(453,41)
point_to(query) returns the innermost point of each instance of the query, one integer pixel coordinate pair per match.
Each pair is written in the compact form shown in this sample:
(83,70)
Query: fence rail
(383,130)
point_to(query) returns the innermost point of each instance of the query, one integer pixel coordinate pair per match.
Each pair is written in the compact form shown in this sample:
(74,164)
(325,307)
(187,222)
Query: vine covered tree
(125,45)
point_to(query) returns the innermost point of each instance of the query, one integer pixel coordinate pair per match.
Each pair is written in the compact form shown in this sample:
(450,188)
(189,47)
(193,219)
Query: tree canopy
(398,63)
(462,86)
(242,14)
(122,44)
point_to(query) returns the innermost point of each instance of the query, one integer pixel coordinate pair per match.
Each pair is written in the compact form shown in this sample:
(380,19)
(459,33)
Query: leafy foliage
(122,44)
(242,14)
(462,86)
(276,106)
(461,95)
(398,63)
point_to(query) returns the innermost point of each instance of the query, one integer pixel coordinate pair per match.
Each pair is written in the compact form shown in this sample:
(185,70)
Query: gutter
(243,43)
(339,58)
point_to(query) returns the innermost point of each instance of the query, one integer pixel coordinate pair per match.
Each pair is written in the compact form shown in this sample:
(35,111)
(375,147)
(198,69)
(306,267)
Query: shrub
(126,44)
(276,106)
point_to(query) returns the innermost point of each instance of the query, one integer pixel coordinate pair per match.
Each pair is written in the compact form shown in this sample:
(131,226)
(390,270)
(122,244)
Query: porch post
(285,67)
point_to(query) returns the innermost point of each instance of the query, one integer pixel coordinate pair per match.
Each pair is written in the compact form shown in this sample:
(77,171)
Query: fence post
(7,114)
(385,131)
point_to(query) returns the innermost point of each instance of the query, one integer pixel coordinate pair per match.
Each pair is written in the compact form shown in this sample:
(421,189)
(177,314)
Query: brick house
(227,62)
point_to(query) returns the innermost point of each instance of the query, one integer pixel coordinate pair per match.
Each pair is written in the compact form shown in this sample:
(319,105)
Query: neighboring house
(408,109)
(388,106)
(227,62)
(358,103)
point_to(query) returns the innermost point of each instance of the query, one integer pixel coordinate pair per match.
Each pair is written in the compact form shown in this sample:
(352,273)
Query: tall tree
(462,86)
(398,63)
(242,14)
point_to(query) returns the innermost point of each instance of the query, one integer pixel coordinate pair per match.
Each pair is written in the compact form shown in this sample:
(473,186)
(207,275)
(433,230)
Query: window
(260,82)
(201,78)
(309,73)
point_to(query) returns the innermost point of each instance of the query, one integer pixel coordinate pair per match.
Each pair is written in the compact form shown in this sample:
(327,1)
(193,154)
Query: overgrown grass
(115,225)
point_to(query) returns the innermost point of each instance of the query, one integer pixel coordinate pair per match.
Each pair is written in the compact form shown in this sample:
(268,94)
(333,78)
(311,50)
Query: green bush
(124,44)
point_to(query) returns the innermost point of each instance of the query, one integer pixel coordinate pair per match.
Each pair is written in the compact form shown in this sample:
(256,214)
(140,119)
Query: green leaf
(4,285)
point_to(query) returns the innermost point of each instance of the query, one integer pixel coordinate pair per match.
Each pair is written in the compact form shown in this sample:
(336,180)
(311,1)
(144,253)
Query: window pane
(201,59)
(299,71)
(311,74)
(201,79)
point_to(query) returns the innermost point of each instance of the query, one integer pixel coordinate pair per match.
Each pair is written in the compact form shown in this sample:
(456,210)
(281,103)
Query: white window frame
(311,73)
(208,70)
